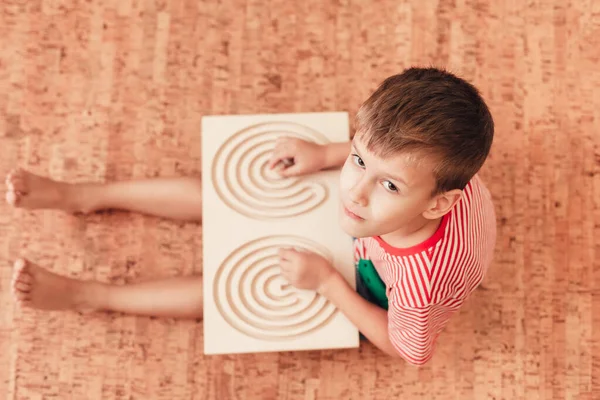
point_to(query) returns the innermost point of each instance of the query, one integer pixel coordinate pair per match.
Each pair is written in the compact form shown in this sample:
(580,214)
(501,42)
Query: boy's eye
(390,186)
(358,160)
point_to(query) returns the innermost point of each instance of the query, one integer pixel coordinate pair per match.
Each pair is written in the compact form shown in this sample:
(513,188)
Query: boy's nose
(358,195)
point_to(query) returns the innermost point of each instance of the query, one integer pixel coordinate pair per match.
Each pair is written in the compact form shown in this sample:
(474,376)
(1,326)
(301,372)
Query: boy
(409,193)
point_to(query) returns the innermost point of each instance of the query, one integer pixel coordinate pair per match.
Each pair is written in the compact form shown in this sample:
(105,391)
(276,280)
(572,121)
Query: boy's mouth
(352,215)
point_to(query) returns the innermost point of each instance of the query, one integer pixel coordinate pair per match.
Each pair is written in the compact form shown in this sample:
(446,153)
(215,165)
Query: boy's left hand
(304,270)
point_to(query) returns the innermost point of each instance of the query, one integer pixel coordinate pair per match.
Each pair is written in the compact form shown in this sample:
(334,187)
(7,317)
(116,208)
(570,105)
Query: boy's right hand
(294,157)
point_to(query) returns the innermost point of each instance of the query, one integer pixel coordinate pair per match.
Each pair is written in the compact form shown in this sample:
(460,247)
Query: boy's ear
(442,203)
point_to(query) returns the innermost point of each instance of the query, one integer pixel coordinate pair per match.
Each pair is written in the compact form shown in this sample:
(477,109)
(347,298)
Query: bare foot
(30,191)
(36,287)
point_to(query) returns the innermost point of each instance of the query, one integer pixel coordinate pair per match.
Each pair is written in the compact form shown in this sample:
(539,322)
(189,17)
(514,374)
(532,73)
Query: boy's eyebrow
(390,175)
(399,180)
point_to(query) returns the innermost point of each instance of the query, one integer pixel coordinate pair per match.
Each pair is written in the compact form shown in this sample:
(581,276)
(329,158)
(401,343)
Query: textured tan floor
(116,89)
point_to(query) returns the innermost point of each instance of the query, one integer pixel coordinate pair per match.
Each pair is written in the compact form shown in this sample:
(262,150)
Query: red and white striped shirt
(427,283)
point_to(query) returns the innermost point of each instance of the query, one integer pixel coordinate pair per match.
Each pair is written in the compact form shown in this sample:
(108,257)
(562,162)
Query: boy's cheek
(343,177)
(385,213)
(347,179)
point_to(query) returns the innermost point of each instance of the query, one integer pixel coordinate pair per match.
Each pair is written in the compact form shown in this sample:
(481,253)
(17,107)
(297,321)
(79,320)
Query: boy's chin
(354,231)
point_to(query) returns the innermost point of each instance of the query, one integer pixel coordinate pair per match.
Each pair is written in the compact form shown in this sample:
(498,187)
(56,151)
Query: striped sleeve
(411,330)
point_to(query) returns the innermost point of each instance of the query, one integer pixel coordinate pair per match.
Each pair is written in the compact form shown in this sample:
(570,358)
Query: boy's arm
(336,154)
(370,319)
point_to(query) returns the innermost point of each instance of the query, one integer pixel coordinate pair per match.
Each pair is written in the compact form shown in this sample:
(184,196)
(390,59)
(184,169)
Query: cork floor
(106,90)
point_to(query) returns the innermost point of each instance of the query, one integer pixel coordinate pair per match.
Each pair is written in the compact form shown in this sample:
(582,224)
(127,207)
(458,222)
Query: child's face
(380,196)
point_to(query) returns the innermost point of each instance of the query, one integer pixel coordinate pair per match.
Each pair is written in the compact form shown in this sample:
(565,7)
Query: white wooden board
(248,213)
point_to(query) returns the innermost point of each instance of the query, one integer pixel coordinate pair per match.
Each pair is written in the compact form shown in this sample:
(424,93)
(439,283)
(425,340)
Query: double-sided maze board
(249,212)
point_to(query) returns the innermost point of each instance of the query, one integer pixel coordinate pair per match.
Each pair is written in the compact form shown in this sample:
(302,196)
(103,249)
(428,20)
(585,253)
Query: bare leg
(36,287)
(175,198)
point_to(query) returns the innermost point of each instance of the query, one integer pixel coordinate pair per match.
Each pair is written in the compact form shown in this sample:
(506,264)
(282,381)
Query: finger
(283,260)
(279,156)
(283,164)
(286,280)
(294,170)
(286,253)
(285,142)
(283,254)
(285,268)
(286,273)
(283,151)
(282,144)
(274,160)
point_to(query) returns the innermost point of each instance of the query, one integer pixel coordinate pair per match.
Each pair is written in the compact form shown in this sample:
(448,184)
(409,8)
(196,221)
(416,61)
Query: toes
(22,281)
(21,291)
(15,180)
(20,272)
(20,263)
(13,198)
(10,176)
(22,287)
(22,298)
(24,277)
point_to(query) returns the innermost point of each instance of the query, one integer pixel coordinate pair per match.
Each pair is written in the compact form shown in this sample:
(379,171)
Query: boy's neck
(413,234)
